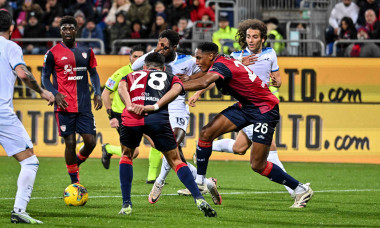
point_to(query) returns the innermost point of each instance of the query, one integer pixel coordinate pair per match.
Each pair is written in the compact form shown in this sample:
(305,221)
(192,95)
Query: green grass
(249,200)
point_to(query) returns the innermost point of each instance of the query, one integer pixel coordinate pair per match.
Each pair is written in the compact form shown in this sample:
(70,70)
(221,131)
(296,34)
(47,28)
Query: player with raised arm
(179,114)
(146,95)
(256,105)
(13,136)
(69,63)
(251,36)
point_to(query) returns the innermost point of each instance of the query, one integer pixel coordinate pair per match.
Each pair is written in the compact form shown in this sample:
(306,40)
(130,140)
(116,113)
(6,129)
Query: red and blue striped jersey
(69,67)
(146,87)
(240,82)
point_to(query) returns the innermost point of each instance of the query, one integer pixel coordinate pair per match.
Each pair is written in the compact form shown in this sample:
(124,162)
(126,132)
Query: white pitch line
(222,193)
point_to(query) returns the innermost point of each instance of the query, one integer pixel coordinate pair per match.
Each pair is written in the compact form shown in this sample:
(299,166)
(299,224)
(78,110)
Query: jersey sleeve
(47,70)
(92,63)
(15,55)
(177,80)
(113,81)
(222,70)
(275,66)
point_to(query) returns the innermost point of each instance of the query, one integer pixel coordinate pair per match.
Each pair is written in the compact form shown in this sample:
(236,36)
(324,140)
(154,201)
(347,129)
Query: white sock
(223,145)
(25,182)
(273,157)
(165,169)
(192,169)
(301,188)
(200,179)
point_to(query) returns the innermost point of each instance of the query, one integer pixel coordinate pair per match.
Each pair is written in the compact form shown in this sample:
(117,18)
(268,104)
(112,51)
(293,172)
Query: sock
(80,159)
(73,171)
(276,174)
(204,151)
(126,176)
(184,174)
(165,170)
(25,182)
(154,163)
(192,169)
(273,157)
(113,149)
(223,145)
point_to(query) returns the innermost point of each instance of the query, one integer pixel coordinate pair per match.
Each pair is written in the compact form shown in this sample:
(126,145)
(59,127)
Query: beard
(170,57)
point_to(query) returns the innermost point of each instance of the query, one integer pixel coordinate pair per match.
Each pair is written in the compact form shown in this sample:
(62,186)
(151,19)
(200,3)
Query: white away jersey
(10,58)
(265,64)
(182,64)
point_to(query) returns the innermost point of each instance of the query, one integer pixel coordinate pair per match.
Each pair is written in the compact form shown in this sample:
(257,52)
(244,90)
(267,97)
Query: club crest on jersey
(84,54)
(68,69)
(63,128)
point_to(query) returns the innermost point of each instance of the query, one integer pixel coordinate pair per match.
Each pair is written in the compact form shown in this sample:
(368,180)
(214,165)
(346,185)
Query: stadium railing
(55,40)
(351,42)
(293,47)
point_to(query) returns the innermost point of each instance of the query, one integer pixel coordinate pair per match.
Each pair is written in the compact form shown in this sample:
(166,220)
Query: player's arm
(201,83)
(185,78)
(199,93)
(95,81)
(27,77)
(276,79)
(123,92)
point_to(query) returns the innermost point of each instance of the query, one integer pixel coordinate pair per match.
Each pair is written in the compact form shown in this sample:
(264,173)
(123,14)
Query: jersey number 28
(155,82)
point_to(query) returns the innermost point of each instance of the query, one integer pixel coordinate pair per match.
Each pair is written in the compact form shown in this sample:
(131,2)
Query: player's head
(154,60)
(205,55)
(136,52)
(6,25)
(252,33)
(68,28)
(167,44)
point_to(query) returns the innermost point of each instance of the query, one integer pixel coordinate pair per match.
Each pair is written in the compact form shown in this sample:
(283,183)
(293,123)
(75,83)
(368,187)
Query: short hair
(5,20)
(171,35)
(138,47)
(68,20)
(208,47)
(155,59)
(250,24)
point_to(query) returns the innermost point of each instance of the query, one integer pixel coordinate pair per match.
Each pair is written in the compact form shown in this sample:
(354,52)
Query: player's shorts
(161,134)
(13,136)
(118,117)
(70,122)
(180,119)
(263,125)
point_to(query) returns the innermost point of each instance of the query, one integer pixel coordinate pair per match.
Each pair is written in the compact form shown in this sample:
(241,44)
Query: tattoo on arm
(30,81)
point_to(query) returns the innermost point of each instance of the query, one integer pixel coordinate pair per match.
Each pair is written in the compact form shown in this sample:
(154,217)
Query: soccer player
(13,136)
(256,105)
(263,62)
(179,114)
(146,95)
(69,64)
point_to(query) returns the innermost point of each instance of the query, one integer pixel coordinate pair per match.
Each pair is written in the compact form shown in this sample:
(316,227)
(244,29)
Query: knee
(206,135)
(238,150)
(91,144)
(258,166)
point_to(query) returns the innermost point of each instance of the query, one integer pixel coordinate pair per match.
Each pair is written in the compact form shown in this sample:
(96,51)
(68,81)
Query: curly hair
(68,20)
(171,35)
(250,24)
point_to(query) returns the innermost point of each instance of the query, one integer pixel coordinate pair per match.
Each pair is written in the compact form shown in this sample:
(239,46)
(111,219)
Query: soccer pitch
(345,195)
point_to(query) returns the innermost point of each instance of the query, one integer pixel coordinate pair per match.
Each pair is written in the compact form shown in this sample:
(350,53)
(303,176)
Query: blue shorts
(263,124)
(161,134)
(80,122)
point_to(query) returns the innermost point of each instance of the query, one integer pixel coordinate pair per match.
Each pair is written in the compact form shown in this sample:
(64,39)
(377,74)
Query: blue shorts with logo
(263,124)
(79,122)
(161,134)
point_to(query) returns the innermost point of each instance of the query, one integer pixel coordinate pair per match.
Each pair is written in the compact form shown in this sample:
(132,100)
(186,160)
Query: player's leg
(238,146)
(154,162)
(71,158)
(85,126)
(88,146)
(108,150)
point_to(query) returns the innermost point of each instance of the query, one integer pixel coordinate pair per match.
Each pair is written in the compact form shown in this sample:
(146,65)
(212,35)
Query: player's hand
(249,60)
(136,109)
(274,81)
(98,104)
(183,77)
(193,99)
(114,123)
(47,95)
(60,100)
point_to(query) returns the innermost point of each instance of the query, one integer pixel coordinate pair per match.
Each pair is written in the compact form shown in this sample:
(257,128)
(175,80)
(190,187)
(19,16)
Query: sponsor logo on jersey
(63,128)
(64,58)
(84,54)
(184,69)
(68,69)
(110,83)
(76,78)
(260,137)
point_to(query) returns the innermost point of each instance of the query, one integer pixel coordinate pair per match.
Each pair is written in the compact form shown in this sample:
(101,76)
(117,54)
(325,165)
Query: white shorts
(13,136)
(179,118)
(248,130)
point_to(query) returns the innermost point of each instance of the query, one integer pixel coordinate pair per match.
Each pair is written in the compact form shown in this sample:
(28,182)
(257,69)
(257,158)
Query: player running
(257,106)
(69,64)
(146,95)
(13,136)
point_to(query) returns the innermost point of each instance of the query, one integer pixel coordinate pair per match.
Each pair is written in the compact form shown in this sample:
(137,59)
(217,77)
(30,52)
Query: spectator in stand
(159,7)
(198,10)
(205,22)
(84,6)
(117,6)
(362,49)
(346,8)
(81,22)
(372,24)
(275,33)
(34,30)
(137,31)
(141,10)
(225,36)
(119,30)
(101,10)
(176,11)
(92,31)
(4,4)
(53,9)
(158,26)
(185,33)
(27,7)
(347,32)
(54,30)
(364,5)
